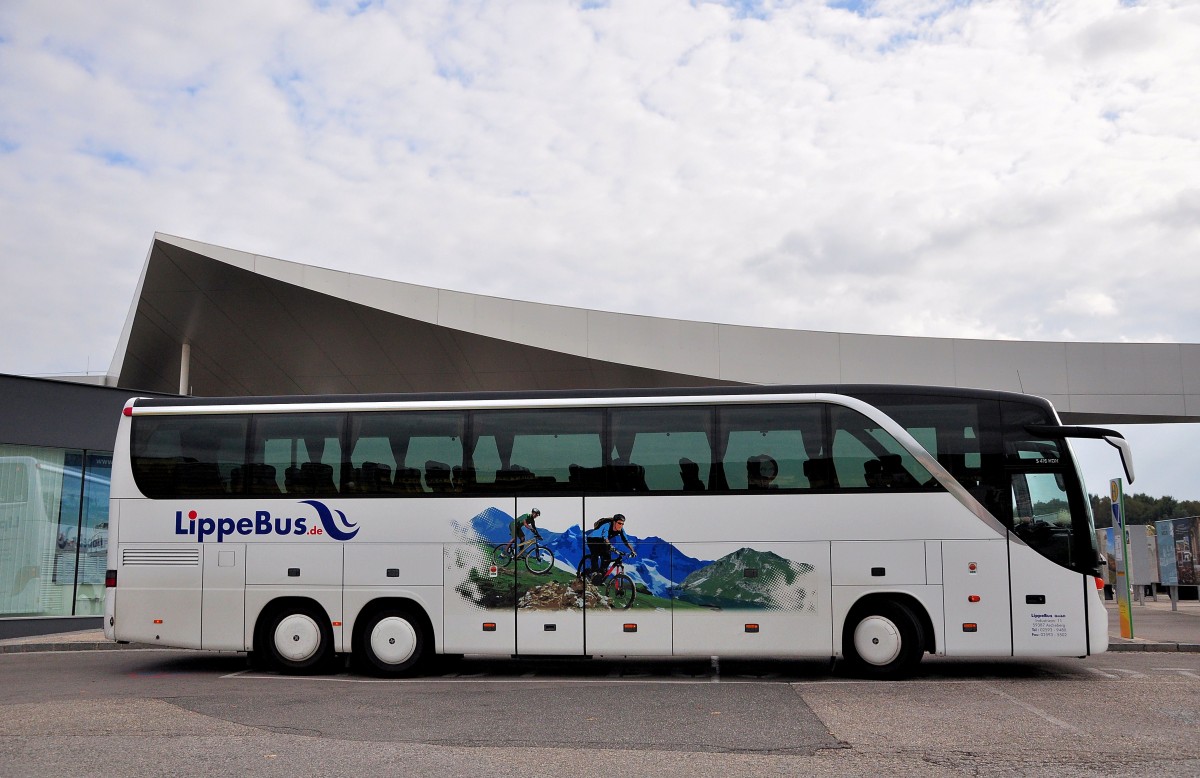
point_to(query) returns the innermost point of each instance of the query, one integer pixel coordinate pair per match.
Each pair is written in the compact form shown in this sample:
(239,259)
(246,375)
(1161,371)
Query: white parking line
(1184,671)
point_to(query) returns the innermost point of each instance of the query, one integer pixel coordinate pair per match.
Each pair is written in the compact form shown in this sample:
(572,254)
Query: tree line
(1144,509)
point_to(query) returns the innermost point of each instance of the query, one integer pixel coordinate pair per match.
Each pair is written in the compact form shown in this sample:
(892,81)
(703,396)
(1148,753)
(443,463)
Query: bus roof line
(490,404)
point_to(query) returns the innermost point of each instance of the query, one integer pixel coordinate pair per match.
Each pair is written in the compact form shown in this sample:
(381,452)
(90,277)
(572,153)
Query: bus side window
(550,450)
(660,449)
(189,456)
(411,452)
(296,454)
(156,452)
(770,447)
(867,457)
(1042,515)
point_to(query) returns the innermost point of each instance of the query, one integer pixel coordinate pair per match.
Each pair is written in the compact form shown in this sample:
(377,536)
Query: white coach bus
(870,524)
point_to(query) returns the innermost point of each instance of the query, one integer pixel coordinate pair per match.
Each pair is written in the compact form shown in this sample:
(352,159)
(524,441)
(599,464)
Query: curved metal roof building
(208,320)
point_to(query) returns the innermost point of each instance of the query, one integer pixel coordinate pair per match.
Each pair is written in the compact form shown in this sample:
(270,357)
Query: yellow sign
(1121,539)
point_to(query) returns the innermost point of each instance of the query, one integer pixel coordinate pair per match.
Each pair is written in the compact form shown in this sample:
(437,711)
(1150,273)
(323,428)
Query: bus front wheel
(299,639)
(392,642)
(883,640)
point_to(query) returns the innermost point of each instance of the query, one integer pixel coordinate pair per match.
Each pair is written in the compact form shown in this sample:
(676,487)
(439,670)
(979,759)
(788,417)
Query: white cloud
(1088,302)
(985,170)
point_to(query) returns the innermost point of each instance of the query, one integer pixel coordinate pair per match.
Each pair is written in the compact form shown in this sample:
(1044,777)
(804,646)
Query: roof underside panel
(254,335)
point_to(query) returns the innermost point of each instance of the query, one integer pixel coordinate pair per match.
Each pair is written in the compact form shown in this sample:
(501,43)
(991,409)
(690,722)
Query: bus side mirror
(1122,445)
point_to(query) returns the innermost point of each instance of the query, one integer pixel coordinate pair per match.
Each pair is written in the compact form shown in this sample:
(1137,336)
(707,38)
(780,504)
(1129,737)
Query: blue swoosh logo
(332,528)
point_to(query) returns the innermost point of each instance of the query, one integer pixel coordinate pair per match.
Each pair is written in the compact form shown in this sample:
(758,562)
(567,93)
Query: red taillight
(110,579)
(1099,582)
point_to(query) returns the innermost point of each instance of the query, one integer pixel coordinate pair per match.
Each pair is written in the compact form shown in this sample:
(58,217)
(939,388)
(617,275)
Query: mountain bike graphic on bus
(616,586)
(538,558)
(657,575)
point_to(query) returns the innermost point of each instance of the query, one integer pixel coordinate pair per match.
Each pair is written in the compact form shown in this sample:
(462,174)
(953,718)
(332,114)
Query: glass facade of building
(53,530)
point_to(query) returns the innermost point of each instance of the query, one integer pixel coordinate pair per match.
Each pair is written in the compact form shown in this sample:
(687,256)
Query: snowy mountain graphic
(658,567)
(493,526)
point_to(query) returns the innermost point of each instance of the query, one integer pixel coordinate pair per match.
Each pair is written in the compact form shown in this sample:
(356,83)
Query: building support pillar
(185,367)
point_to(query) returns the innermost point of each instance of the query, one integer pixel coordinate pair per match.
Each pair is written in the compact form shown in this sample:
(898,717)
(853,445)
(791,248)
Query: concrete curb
(1187,648)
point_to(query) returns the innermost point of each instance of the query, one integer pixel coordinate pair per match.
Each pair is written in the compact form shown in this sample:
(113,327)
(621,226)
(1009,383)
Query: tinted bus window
(189,456)
(766,447)
(296,454)
(661,449)
(405,453)
(538,450)
(867,457)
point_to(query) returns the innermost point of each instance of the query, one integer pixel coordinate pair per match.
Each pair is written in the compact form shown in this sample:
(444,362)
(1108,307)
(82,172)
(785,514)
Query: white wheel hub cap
(297,637)
(877,640)
(393,640)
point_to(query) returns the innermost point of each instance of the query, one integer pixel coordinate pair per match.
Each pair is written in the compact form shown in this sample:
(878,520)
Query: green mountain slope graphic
(750,579)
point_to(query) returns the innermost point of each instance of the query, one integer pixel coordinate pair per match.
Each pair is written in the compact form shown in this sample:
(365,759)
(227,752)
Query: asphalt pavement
(1156,627)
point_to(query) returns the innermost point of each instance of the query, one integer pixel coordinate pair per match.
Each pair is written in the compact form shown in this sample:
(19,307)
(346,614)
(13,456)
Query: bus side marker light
(973,598)
(752,628)
(630,627)
(158,621)
(489,626)
(969,627)
(1099,582)
(337,623)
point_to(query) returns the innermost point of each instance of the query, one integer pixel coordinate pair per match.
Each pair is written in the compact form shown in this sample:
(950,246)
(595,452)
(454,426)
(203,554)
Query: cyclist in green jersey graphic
(518,528)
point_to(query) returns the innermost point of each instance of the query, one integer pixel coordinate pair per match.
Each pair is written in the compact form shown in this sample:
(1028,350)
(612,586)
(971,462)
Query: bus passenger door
(1049,616)
(1048,539)
(549,599)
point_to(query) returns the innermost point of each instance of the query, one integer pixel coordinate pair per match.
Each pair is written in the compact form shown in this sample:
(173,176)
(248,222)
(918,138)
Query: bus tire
(883,639)
(298,638)
(391,642)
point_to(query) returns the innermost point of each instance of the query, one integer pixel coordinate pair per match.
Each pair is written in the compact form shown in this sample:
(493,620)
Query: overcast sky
(904,167)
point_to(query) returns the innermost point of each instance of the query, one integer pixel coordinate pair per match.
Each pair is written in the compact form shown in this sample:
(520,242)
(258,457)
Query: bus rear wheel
(391,642)
(883,640)
(299,639)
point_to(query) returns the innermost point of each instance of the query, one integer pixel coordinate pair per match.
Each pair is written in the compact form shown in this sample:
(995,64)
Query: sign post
(1121,552)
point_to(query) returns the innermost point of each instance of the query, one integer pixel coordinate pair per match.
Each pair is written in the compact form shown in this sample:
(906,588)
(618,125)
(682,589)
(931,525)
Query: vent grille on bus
(160,556)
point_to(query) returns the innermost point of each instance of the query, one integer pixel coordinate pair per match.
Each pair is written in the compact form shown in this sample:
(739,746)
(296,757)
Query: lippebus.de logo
(266,523)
